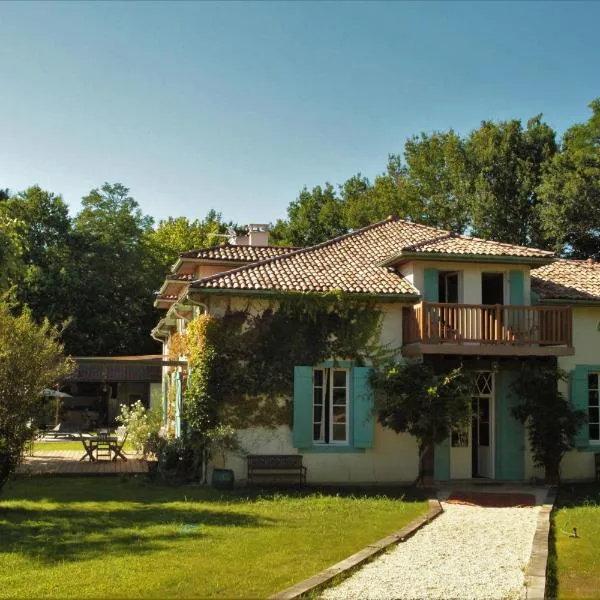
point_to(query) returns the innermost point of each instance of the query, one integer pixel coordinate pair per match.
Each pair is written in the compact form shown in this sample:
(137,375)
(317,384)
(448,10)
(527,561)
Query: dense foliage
(31,359)
(414,398)
(503,181)
(570,191)
(551,420)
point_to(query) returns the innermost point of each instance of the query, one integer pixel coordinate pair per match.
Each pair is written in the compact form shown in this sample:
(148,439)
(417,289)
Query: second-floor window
(448,283)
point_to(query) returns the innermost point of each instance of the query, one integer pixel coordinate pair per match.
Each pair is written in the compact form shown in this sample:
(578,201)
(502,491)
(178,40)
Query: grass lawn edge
(536,572)
(343,569)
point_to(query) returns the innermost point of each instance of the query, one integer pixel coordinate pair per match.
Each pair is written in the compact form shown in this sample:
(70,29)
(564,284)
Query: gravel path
(467,552)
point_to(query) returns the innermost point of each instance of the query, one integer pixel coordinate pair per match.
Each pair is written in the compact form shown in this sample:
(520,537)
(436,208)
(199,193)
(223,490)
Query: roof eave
(402,257)
(273,293)
(570,301)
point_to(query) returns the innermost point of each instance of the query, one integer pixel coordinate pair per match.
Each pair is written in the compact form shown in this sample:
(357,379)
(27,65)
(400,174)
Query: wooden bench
(282,467)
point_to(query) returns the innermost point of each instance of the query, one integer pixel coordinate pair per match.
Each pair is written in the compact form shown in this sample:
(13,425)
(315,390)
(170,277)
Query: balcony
(478,329)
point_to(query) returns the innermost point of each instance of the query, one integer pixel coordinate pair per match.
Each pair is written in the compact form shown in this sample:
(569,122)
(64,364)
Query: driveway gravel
(467,552)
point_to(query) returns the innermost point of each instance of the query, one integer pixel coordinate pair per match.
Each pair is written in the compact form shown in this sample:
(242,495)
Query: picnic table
(102,446)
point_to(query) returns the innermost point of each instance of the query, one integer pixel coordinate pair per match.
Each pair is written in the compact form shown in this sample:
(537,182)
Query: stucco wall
(393,458)
(214,268)
(391,326)
(586,339)
(470,280)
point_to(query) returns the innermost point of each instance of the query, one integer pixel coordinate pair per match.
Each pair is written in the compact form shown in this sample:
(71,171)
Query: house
(445,298)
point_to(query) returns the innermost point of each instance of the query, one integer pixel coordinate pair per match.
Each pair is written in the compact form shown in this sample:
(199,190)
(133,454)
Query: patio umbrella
(54,394)
(48,393)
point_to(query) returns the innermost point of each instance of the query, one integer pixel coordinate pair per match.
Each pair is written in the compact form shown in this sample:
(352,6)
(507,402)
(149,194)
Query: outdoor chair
(117,447)
(103,447)
(88,447)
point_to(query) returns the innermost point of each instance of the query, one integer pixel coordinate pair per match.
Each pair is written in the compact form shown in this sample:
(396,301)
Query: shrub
(142,427)
(551,420)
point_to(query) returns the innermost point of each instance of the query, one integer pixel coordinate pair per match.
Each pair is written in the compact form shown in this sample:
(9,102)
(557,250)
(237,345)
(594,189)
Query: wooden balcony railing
(437,322)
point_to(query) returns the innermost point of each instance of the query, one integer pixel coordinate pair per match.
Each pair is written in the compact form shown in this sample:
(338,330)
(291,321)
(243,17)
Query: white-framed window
(593,407)
(330,406)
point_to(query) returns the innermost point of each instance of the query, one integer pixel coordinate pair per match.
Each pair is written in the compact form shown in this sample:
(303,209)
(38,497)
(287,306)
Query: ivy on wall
(241,365)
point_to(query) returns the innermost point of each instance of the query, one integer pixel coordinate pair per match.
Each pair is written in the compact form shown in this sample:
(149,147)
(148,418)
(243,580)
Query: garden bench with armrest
(282,467)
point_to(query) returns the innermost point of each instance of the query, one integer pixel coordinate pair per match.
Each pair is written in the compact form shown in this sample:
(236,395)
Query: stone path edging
(535,575)
(360,557)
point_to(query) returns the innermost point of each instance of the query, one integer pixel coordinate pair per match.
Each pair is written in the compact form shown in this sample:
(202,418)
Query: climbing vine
(177,346)
(241,365)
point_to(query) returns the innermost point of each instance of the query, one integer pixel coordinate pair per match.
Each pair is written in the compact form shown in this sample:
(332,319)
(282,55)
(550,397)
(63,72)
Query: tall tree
(176,235)
(437,184)
(570,191)
(44,233)
(113,276)
(505,164)
(314,217)
(11,250)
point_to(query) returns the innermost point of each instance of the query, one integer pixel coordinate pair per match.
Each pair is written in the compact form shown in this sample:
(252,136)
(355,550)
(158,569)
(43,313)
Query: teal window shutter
(178,404)
(362,408)
(441,460)
(431,293)
(516,283)
(165,396)
(579,399)
(302,434)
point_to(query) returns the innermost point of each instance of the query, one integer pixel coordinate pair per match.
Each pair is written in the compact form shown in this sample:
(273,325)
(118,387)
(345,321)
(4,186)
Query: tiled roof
(452,243)
(354,262)
(231,252)
(167,297)
(567,280)
(181,276)
(349,263)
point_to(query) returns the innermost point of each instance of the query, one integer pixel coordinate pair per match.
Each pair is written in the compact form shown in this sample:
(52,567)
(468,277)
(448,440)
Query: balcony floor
(475,349)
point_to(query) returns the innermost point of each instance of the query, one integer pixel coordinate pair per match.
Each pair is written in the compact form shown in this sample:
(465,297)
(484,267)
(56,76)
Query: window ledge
(331,449)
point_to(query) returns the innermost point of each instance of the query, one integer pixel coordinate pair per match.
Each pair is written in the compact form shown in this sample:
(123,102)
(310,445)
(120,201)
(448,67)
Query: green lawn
(126,538)
(576,563)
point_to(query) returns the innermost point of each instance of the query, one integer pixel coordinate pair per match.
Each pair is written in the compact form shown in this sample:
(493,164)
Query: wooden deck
(67,463)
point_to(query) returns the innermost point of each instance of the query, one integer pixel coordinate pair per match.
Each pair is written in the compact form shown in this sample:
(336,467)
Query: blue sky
(237,106)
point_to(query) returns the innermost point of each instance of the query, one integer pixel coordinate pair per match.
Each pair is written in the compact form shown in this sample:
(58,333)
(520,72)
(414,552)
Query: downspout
(186,299)
(156,339)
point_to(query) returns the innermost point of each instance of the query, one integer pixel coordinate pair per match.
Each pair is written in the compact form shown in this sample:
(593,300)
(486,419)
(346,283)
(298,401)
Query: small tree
(31,359)
(551,420)
(413,398)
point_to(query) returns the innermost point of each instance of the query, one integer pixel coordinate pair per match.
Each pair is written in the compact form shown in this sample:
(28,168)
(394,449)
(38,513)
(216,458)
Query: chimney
(258,235)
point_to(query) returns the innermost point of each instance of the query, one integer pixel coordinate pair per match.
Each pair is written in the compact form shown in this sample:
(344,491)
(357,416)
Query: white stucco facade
(392,459)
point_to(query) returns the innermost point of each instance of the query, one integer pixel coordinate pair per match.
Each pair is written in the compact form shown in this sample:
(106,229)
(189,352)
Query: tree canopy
(179,234)
(570,191)
(99,270)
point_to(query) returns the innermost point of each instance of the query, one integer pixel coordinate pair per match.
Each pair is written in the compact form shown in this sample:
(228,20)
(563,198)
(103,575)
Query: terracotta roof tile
(181,277)
(567,280)
(349,263)
(167,297)
(355,262)
(231,252)
(452,243)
